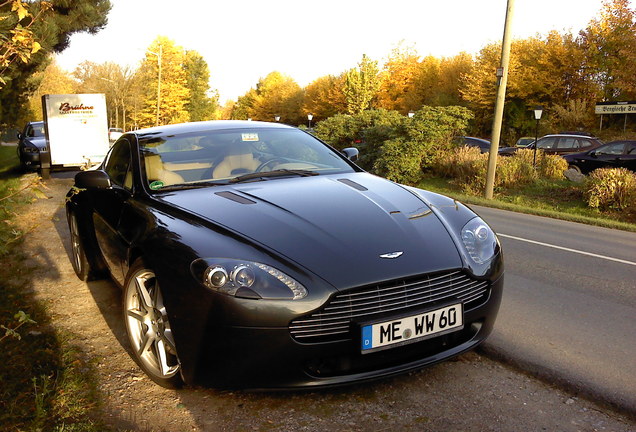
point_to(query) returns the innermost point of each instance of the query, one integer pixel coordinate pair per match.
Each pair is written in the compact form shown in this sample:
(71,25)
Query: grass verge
(48,383)
(560,199)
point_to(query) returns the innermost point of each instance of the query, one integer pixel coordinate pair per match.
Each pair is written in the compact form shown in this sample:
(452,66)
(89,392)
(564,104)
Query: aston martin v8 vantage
(253,255)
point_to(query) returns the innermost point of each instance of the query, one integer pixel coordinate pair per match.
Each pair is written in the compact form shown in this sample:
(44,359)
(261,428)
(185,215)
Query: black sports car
(253,255)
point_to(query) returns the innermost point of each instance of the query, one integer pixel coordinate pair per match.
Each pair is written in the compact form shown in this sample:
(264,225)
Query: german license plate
(412,328)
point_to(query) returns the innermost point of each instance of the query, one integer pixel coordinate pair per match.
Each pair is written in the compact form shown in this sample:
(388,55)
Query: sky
(244,40)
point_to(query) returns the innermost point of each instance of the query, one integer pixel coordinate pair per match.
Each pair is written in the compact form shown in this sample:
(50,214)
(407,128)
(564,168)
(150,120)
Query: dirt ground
(470,393)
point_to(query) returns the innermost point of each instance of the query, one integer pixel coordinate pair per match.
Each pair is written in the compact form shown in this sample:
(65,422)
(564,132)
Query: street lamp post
(159,55)
(309,118)
(538,111)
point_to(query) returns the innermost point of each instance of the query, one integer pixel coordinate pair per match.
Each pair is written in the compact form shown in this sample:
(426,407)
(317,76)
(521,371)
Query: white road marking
(568,249)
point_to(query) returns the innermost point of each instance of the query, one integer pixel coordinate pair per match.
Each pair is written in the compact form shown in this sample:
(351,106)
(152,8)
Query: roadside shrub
(548,166)
(611,188)
(398,161)
(468,167)
(515,171)
(458,163)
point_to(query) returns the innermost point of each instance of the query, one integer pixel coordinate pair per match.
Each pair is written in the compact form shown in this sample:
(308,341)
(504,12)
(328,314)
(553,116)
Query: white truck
(76,127)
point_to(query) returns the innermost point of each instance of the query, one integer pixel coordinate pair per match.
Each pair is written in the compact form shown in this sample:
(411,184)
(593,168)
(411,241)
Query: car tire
(148,328)
(83,266)
(575,168)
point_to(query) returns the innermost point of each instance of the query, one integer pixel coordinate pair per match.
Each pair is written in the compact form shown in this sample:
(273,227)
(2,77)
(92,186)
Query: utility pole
(502,77)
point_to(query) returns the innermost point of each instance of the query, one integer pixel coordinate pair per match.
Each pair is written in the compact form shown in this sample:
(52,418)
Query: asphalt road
(569,308)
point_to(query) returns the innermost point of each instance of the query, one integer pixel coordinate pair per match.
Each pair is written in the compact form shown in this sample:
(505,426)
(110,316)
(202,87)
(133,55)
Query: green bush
(611,188)
(393,145)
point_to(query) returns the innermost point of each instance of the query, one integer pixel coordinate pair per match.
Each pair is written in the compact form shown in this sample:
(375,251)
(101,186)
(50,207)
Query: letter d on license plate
(412,328)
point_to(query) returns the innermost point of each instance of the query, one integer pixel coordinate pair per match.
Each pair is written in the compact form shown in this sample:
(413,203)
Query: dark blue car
(617,154)
(31,145)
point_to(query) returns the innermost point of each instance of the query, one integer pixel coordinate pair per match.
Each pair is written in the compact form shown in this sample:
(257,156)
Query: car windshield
(36,130)
(235,155)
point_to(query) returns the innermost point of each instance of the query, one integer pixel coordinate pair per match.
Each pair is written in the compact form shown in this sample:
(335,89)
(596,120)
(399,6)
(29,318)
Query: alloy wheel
(148,326)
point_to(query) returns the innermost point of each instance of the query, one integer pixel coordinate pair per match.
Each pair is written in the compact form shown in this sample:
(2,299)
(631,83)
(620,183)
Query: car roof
(477,139)
(569,135)
(206,126)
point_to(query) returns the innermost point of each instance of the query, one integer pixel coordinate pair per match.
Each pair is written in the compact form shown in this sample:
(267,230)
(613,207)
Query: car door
(567,145)
(607,156)
(109,204)
(628,158)
(547,144)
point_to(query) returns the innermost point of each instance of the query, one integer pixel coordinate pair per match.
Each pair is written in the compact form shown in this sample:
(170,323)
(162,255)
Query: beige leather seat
(240,160)
(155,171)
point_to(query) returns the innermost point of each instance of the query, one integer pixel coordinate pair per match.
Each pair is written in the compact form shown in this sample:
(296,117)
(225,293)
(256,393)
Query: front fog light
(479,240)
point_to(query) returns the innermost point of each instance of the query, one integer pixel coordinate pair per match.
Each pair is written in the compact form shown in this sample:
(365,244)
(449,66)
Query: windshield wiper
(275,173)
(197,185)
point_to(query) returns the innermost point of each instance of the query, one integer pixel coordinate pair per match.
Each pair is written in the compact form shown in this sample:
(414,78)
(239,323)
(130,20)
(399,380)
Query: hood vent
(234,197)
(353,184)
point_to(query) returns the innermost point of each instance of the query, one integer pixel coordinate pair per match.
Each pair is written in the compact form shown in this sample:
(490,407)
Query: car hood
(39,142)
(335,226)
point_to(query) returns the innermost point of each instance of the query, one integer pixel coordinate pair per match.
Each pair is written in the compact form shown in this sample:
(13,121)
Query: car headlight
(479,241)
(247,279)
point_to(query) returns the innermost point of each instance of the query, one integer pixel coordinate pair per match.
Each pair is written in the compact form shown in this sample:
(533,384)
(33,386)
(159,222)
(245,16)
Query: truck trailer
(76,127)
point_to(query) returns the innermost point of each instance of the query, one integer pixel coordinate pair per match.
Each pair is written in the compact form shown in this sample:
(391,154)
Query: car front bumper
(264,357)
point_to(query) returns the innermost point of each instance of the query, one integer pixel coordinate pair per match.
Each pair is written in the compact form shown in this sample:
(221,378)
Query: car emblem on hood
(391,255)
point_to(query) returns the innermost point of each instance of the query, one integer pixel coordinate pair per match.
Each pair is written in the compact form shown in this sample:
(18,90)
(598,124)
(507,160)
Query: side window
(118,163)
(586,143)
(614,149)
(546,143)
(631,149)
(568,143)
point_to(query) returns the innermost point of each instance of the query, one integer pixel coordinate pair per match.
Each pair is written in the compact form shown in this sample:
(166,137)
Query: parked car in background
(114,134)
(31,145)
(616,154)
(524,141)
(559,144)
(483,144)
(253,255)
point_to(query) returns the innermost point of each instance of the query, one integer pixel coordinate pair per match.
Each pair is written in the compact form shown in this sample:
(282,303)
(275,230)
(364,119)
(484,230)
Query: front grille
(333,321)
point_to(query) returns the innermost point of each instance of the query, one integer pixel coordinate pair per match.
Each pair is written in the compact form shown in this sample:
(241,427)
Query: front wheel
(148,328)
(575,168)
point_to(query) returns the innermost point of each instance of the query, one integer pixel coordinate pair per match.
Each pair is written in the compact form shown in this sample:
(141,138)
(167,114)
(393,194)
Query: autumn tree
(609,43)
(170,93)
(397,80)
(361,85)
(53,80)
(46,27)
(242,108)
(325,97)
(203,103)
(275,95)
(114,81)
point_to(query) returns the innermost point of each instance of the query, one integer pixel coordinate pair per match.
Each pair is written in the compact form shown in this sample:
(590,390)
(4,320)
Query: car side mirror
(351,153)
(19,135)
(593,153)
(93,179)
